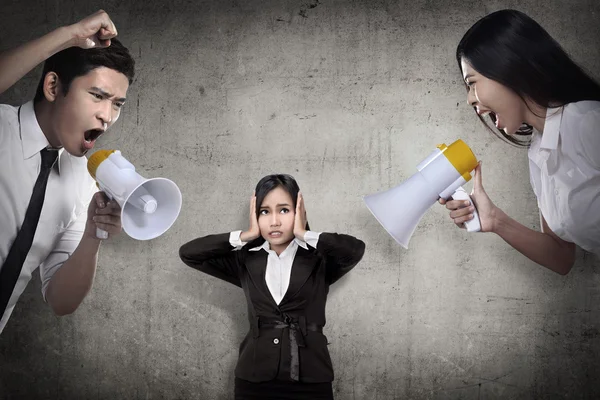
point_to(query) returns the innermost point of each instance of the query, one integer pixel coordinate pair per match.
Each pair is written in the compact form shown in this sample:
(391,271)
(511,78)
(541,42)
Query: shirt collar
(267,247)
(32,137)
(551,128)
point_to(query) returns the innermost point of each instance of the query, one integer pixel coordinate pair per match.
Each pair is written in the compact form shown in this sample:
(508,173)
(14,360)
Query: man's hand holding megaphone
(145,208)
(462,210)
(104,214)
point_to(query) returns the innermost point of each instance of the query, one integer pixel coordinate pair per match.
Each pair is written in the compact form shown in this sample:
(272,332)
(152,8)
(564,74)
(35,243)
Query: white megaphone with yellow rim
(148,206)
(440,175)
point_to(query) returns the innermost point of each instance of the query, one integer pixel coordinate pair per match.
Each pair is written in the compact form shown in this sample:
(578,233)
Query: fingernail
(102,204)
(470,216)
(471,209)
(467,203)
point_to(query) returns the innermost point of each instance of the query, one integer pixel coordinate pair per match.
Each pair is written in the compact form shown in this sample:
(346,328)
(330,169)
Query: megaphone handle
(473,225)
(101,233)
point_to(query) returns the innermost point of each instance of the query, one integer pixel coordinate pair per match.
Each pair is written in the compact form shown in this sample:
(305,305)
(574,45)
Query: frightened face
(92,104)
(490,97)
(276,218)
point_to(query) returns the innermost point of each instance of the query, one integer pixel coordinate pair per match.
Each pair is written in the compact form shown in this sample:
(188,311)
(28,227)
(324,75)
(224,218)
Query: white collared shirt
(279,268)
(564,166)
(68,193)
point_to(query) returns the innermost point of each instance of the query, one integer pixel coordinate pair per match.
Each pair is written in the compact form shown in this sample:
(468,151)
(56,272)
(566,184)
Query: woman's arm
(544,248)
(342,253)
(213,255)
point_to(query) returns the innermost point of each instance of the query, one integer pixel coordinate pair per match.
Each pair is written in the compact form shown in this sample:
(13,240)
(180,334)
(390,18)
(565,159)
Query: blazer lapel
(302,267)
(256,264)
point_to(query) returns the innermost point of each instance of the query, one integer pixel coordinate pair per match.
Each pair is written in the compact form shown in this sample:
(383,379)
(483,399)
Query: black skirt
(282,390)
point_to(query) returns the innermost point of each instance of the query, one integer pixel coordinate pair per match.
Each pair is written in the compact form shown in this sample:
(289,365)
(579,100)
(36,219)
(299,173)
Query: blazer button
(276,341)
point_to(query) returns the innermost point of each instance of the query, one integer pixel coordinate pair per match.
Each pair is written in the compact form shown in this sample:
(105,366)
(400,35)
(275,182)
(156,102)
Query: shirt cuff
(312,238)
(235,241)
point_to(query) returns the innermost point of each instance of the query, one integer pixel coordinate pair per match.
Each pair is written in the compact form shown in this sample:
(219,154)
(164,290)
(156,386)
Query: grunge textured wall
(347,96)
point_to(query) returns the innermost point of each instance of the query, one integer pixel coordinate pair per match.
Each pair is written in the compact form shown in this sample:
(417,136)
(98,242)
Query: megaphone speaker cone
(400,208)
(142,225)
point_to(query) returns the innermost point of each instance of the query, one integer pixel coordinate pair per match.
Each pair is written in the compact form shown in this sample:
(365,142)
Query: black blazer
(285,341)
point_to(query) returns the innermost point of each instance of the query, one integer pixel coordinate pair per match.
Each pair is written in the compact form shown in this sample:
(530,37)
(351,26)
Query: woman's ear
(50,86)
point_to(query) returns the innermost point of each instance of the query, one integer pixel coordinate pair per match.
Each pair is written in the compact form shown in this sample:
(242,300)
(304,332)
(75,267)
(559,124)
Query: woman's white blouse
(564,166)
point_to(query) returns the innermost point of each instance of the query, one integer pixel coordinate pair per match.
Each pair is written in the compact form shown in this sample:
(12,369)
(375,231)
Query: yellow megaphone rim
(96,159)
(461,157)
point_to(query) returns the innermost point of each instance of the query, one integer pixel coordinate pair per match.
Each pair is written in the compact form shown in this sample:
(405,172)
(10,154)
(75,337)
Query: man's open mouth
(92,135)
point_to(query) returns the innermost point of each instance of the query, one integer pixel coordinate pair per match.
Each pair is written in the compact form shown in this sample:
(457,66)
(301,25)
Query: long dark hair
(511,48)
(264,187)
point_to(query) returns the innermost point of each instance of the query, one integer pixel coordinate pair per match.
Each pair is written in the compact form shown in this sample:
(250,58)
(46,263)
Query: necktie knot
(48,158)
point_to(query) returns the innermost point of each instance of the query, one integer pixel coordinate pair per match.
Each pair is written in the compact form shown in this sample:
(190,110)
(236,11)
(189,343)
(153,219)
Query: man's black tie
(11,269)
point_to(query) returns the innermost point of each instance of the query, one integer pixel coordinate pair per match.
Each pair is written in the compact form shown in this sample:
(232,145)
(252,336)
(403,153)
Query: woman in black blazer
(285,271)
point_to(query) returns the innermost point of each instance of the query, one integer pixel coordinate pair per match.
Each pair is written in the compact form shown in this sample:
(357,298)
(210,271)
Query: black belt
(297,328)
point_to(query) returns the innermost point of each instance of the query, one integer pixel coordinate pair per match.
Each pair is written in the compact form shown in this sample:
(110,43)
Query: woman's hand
(462,210)
(254,231)
(300,218)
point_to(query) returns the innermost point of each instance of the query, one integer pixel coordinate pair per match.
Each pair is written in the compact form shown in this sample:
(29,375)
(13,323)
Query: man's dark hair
(73,62)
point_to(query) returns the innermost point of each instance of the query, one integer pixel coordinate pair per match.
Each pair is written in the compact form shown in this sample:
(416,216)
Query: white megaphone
(440,175)
(148,206)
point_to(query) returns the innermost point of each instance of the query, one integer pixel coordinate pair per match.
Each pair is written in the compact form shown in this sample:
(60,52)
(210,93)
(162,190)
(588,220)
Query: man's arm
(93,31)
(72,281)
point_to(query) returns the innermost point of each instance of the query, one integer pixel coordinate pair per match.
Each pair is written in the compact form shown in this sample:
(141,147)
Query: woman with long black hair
(520,78)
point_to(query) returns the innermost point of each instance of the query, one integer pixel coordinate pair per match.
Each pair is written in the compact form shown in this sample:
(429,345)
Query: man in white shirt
(49,210)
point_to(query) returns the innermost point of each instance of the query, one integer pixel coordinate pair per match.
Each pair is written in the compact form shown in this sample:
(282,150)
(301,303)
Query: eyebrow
(278,205)
(106,94)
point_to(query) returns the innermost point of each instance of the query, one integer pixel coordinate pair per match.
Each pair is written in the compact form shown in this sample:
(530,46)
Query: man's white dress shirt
(68,193)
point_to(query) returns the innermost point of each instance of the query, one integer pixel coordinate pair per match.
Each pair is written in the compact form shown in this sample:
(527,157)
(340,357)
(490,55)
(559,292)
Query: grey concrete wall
(348,96)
